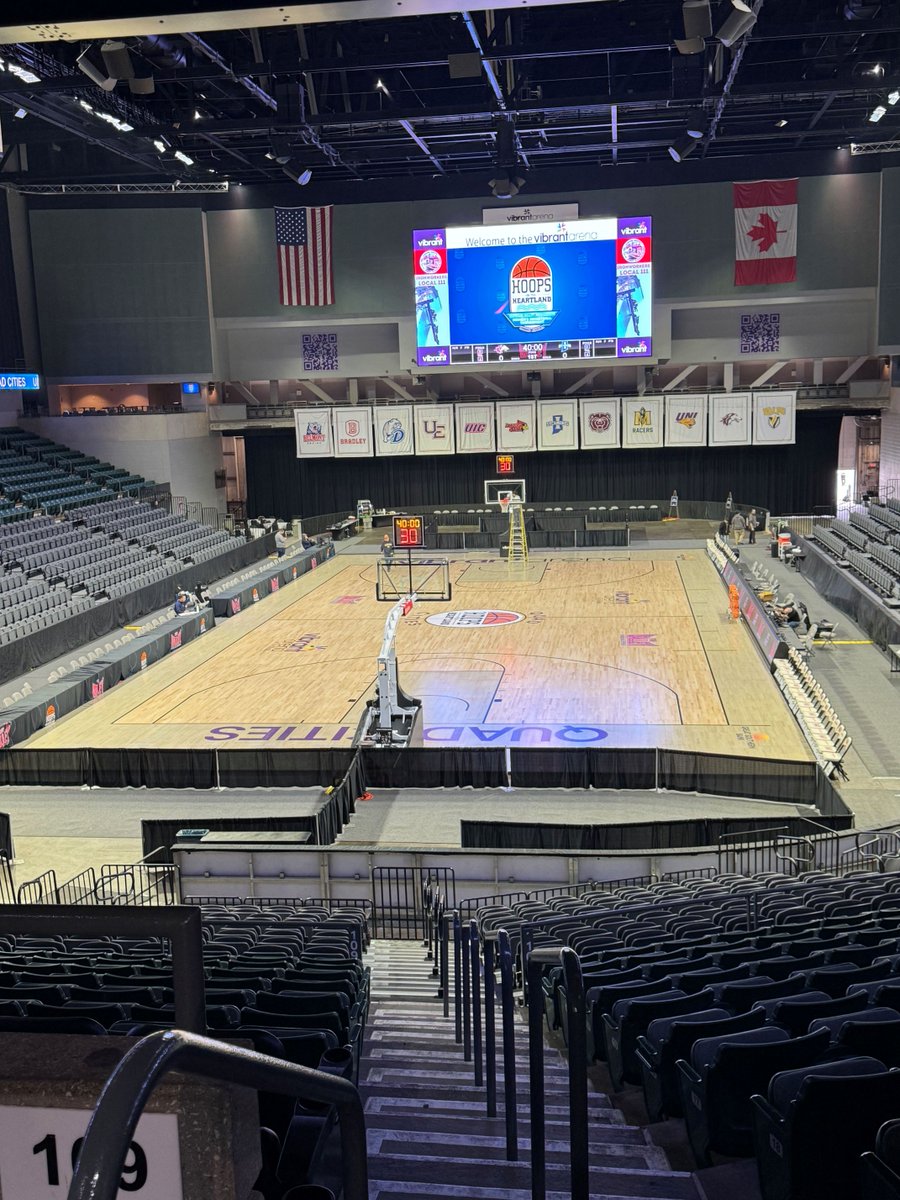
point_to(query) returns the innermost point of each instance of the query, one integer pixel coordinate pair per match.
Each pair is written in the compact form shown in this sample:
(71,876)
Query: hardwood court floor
(633,649)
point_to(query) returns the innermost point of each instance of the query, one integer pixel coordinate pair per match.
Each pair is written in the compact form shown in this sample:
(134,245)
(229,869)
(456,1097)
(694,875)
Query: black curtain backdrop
(786,479)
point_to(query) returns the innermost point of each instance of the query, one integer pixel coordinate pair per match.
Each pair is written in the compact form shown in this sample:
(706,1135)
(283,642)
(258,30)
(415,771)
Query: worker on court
(673,505)
(387,550)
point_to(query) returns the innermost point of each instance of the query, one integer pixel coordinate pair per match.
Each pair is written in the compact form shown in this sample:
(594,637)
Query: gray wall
(889,276)
(121,293)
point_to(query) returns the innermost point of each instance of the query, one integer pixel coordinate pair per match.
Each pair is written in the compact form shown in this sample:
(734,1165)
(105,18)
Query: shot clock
(409,533)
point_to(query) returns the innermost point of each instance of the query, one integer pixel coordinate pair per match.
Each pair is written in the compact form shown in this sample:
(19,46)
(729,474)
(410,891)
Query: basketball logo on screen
(531,294)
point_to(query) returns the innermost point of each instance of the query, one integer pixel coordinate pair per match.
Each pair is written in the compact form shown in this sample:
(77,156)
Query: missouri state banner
(313,429)
(435,432)
(557,425)
(599,423)
(516,425)
(642,424)
(686,420)
(353,431)
(475,428)
(730,422)
(773,418)
(394,431)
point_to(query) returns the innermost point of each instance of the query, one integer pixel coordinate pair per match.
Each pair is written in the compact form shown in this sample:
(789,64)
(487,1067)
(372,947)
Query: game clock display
(539,290)
(409,533)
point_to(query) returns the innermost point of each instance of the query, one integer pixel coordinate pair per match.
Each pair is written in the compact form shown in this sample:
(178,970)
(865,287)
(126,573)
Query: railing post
(578,1101)
(475,963)
(466,995)
(510,1112)
(457,977)
(490,1043)
(446,919)
(536,1079)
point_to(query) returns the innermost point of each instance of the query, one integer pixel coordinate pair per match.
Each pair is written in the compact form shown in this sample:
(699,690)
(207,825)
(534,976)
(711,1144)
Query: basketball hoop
(504,504)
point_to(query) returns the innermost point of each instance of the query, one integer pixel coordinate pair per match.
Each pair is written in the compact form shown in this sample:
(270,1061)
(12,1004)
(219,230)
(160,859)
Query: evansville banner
(599,423)
(516,425)
(642,422)
(765,232)
(313,426)
(394,431)
(353,431)
(729,419)
(686,420)
(557,425)
(434,429)
(475,428)
(773,418)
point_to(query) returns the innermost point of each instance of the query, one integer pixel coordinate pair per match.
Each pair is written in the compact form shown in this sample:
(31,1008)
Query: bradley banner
(353,431)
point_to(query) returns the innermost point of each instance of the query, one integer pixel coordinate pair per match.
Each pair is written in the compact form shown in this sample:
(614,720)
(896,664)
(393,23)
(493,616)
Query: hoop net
(504,504)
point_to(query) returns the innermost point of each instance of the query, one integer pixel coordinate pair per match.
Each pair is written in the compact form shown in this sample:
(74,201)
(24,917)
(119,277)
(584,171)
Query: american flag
(305,264)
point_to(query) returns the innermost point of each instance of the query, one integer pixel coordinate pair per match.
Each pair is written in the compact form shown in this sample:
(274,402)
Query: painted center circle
(474,618)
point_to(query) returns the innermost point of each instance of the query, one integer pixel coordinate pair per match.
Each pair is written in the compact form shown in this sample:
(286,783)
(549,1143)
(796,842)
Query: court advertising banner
(557,425)
(353,431)
(642,422)
(313,429)
(475,428)
(435,429)
(516,425)
(686,420)
(774,418)
(729,419)
(599,424)
(394,430)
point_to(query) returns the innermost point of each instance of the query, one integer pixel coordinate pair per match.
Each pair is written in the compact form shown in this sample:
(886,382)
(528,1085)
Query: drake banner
(353,431)
(516,425)
(394,431)
(686,420)
(599,424)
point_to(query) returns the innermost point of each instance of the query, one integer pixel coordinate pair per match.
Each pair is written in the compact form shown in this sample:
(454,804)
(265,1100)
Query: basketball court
(630,649)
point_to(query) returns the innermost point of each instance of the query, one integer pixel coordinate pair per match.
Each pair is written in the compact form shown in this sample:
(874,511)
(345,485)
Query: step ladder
(517,543)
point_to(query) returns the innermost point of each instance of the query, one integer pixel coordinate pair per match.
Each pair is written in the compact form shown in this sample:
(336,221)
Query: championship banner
(642,422)
(773,418)
(353,431)
(475,428)
(516,425)
(313,427)
(434,429)
(394,431)
(599,424)
(557,425)
(686,420)
(729,419)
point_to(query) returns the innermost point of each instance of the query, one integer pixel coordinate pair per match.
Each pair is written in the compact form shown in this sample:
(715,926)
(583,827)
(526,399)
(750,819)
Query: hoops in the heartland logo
(531,294)
(475,618)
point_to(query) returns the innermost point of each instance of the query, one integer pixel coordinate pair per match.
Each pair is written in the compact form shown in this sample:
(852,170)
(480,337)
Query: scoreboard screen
(409,533)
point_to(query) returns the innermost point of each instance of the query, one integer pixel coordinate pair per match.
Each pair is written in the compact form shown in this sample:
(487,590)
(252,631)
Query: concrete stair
(427,1126)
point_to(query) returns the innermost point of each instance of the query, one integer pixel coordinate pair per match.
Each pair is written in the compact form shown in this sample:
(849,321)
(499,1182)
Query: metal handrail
(490,1039)
(507,1018)
(43,889)
(457,976)
(475,969)
(130,1086)
(8,892)
(796,862)
(578,1105)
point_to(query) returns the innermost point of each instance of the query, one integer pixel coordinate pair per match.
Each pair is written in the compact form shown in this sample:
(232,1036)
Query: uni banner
(557,425)
(686,420)
(394,431)
(434,429)
(642,422)
(729,419)
(475,428)
(773,418)
(313,429)
(599,424)
(516,425)
(353,431)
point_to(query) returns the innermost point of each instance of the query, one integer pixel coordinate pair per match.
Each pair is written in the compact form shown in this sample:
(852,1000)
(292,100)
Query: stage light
(695,126)
(893,97)
(877,113)
(20,113)
(780,124)
(160,145)
(300,175)
(185,158)
(86,62)
(506,184)
(686,145)
(117,60)
(737,24)
(22,72)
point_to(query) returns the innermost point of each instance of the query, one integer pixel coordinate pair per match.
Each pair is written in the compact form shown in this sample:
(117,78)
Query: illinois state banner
(313,429)
(475,428)
(557,425)
(773,418)
(516,425)
(599,423)
(729,419)
(435,432)
(394,431)
(642,422)
(353,431)
(686,420)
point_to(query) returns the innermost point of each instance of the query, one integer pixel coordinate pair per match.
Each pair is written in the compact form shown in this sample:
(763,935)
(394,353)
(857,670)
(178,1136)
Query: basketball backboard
(494,488)
(428,579)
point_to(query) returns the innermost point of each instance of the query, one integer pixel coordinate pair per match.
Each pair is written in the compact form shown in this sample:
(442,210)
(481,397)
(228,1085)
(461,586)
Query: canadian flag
(765,232)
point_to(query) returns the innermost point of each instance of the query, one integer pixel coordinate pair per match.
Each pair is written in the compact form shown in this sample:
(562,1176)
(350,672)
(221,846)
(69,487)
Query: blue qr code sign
(760,333)
(320,352)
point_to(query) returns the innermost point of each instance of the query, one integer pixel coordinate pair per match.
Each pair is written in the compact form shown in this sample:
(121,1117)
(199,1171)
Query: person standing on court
(752,526)
(729,506)
(280,543)
(738,525)
(673,505)
(387,550)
